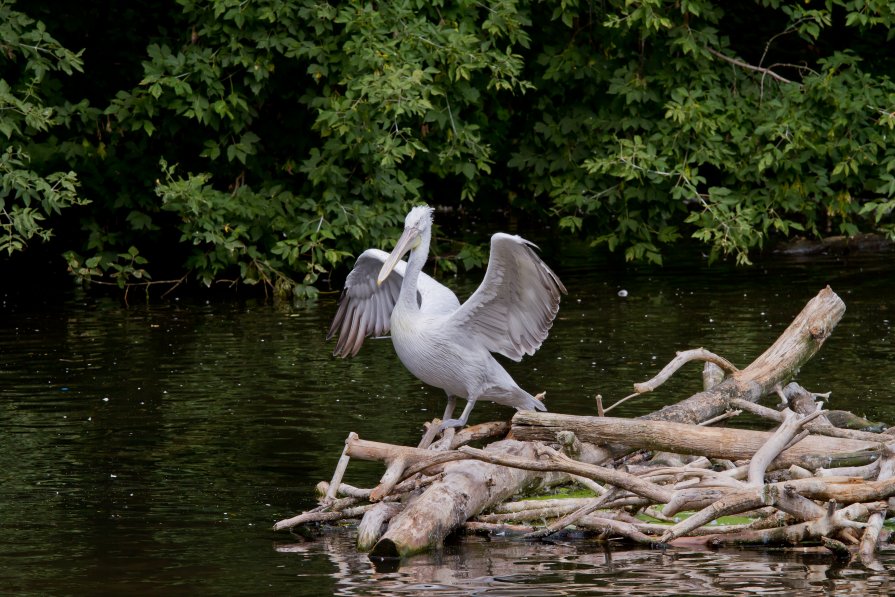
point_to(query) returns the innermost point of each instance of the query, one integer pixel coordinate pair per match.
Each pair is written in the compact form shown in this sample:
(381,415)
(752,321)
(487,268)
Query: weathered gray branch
(680,438)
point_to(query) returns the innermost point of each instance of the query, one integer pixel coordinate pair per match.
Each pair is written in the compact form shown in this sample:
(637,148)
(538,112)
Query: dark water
(148,449)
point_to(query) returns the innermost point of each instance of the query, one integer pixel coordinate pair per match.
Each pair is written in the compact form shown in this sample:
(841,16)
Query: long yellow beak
(405,243)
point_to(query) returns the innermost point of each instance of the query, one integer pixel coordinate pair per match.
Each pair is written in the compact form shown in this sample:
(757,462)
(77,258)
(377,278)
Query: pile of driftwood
(819,477)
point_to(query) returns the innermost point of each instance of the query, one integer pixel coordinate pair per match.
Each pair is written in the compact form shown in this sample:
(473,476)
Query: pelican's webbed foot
(447,423)
(457,423)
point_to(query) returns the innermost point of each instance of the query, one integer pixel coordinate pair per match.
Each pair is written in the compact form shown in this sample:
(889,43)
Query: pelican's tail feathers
(515,397)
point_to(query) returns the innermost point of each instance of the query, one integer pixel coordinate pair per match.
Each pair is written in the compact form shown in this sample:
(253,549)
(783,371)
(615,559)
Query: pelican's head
(417,224)
(419,217)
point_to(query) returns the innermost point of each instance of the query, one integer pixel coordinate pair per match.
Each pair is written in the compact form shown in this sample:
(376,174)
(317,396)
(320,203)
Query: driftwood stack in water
(809,480)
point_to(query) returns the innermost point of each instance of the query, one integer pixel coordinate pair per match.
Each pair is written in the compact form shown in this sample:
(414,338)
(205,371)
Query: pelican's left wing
(365,308)
(513,309)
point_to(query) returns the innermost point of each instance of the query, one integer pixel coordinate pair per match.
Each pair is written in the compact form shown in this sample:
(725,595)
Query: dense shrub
(268,141)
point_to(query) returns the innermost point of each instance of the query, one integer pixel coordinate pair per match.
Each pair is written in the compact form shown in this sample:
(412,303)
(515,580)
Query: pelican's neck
(415,263)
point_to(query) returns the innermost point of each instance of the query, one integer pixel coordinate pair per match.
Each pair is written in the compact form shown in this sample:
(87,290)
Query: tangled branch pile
(819,477)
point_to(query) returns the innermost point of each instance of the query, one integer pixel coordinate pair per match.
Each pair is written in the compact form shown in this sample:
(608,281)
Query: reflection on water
(148,449)
(474,565)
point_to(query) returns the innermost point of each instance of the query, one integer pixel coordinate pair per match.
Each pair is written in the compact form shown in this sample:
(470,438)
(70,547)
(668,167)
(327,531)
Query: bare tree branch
(737,62)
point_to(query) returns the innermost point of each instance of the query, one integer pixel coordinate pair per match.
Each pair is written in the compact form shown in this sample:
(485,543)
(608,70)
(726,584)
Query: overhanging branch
(736,62)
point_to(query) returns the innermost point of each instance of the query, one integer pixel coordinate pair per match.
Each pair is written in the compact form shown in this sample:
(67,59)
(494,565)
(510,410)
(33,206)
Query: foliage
(268,141)
(121,268)
(29,107)
(369,101)
(728,122)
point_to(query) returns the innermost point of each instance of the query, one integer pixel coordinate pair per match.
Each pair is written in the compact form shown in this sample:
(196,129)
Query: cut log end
(385,549)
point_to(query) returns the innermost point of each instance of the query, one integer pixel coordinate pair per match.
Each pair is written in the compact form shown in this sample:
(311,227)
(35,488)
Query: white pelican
(443,343)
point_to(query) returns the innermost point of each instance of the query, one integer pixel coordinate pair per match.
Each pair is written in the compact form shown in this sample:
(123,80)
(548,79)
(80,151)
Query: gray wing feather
(513,308)
(365,308)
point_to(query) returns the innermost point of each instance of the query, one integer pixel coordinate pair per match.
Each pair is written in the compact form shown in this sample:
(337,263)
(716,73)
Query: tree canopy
(268,141)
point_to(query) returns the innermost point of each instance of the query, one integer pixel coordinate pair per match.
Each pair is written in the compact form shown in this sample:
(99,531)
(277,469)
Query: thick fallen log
(776,366)
(373,524)
(465,490)
(713,442)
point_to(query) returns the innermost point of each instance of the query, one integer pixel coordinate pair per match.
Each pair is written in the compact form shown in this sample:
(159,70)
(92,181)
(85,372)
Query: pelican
(443,343)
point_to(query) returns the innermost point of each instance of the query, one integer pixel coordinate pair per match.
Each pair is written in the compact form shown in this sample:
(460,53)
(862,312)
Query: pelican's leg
(432,431)
(449,409)
(446,423)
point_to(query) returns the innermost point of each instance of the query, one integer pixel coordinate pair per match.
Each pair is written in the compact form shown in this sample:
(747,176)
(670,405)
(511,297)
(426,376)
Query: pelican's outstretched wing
(513,308)
(365,308)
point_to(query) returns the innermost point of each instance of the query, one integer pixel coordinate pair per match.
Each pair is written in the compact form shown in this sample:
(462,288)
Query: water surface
(147,449)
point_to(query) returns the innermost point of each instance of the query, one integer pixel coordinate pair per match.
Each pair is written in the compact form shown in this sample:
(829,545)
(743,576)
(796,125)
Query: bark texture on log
(372,524)
(466,489)
(713,442)
(795,346)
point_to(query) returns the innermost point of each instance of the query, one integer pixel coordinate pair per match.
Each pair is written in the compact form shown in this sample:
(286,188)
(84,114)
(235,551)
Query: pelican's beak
(407,242)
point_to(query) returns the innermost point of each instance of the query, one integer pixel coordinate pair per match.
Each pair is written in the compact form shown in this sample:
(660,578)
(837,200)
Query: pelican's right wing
(365,308)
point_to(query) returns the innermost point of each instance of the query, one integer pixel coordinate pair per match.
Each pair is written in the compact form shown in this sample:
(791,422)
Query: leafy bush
(312,126)
(30,107)
(266,142)
(727,122)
